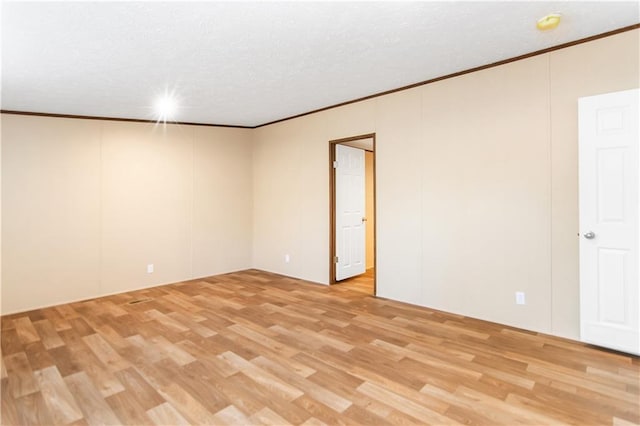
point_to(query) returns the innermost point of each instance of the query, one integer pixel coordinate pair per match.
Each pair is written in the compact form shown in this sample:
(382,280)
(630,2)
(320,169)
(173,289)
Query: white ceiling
(244,63)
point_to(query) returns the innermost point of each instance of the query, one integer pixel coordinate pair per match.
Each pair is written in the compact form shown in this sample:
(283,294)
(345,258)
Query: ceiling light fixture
(165,108)
(549,22)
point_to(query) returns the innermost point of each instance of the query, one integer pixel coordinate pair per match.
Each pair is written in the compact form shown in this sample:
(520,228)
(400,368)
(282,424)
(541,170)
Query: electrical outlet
(150,268)
(520,300)
(287,258)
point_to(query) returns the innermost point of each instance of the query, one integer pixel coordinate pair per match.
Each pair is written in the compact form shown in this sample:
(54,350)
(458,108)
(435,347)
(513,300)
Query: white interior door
(609,231)
(350,209)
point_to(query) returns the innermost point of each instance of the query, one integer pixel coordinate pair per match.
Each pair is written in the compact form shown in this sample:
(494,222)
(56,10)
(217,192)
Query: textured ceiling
(242,63)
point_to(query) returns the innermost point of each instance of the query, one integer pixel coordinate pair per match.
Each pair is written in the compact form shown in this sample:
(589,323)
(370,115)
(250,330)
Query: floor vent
(135,302)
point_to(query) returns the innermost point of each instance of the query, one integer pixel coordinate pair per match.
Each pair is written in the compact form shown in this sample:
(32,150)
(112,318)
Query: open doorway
(352,262)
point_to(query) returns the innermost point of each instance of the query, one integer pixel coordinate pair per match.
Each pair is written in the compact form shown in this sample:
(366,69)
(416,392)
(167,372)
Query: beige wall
(50,211)
(485,194)
(291,198)
(476,186)
(87,204)
(369,210)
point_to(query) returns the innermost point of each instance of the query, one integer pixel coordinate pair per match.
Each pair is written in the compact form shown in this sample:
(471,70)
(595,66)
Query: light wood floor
(362,283)
(258,348)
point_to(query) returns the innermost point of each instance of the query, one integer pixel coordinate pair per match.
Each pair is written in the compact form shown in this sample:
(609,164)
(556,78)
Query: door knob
(364,219)
(589,235)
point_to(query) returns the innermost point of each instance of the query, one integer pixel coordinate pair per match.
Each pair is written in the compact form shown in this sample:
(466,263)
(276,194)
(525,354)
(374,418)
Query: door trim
(332,206)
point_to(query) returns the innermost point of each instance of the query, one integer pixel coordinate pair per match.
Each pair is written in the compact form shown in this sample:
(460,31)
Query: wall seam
(250,137)
(193,200)
(100,210)
(551,193)
(422,197)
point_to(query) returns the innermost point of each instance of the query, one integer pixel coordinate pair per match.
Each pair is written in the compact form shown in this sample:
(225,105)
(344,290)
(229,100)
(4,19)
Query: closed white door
(350,209)
(609,231)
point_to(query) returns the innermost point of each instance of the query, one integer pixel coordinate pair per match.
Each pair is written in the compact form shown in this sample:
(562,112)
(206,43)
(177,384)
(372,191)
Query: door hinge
(335,259)
(335,164)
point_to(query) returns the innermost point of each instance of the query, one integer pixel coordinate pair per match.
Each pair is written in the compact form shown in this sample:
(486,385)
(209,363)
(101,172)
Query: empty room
(320,213)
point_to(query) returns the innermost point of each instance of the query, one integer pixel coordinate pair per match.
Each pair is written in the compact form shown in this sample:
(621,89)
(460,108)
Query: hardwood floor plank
(174,352)
(10,341)
(38,356)
(185,302)
(127,409)
(65,360)
(9,412)
(396,393)
(363,414)
(443,330)
(26,332)
(611,377)
(165,414)
(167,321)
(20,379)
(195,381)
(93,406)
(508,413)
(254,396)
(313,390)
(3,369)
(254,347)
(231,416)
(115,340)
(604,390)
(193,324)
(269,381)
(320,411)
(72,341)
(56,319)
(138,388)
(105,352)
(328,374)
(586,417)
(622,422)
(360,364)
(33,410)
(313,422)
(263,339)
(48,334)
(62,405)
(7,322)
(186,404)
(615,406)
(99,374)
(122,325)
(214,364)
(429,361)
(267,417)
(81,326)
(146,351)
(113,309)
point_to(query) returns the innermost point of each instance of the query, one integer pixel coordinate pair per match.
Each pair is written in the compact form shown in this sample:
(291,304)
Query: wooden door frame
(332,206)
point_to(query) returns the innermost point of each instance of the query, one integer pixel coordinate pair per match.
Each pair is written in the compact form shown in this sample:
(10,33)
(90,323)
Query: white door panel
(350,210)
(609,197)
